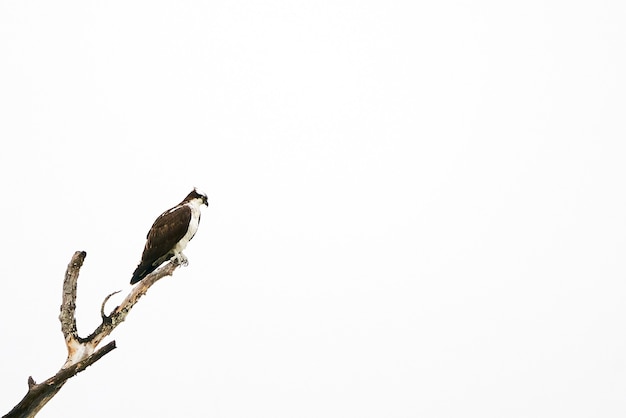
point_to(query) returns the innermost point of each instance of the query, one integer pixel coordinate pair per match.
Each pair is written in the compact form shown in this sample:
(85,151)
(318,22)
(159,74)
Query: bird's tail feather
(141,272)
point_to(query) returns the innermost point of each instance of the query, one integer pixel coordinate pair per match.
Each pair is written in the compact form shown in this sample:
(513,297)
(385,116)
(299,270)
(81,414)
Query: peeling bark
(81,352)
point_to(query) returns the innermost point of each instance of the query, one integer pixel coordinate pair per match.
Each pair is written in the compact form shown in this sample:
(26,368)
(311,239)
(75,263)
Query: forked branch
(81,352)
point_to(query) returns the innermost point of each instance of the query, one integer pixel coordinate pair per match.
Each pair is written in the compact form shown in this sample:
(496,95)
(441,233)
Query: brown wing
(167,230)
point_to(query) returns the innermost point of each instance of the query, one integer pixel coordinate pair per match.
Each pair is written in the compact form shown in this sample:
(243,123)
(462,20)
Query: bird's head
(197,194)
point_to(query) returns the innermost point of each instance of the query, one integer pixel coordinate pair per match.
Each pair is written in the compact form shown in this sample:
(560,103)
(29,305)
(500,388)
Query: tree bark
(81,352)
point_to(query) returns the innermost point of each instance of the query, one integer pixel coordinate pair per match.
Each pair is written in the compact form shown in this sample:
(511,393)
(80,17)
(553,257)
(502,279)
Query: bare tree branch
(81,352)
(40,393)
(67,316)
(110,322)
(104,302)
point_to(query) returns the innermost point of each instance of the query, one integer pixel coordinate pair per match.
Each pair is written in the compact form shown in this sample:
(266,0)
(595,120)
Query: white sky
(417,209)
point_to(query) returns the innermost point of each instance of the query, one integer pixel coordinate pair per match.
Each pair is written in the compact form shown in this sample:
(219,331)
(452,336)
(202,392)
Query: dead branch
(40,393)
(81,352)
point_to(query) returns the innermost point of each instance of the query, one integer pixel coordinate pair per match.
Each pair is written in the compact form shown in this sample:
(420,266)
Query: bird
(170,233)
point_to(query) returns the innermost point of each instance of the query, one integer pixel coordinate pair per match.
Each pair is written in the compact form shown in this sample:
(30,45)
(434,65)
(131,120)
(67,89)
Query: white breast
(193,226)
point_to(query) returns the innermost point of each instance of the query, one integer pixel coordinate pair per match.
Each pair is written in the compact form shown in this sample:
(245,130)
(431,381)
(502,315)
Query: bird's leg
(181,259)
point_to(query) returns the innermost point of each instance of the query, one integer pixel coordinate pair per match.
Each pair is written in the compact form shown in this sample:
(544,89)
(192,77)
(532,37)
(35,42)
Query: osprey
(170,234)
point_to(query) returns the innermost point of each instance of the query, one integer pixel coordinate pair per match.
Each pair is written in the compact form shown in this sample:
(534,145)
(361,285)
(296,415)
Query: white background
(417,209)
